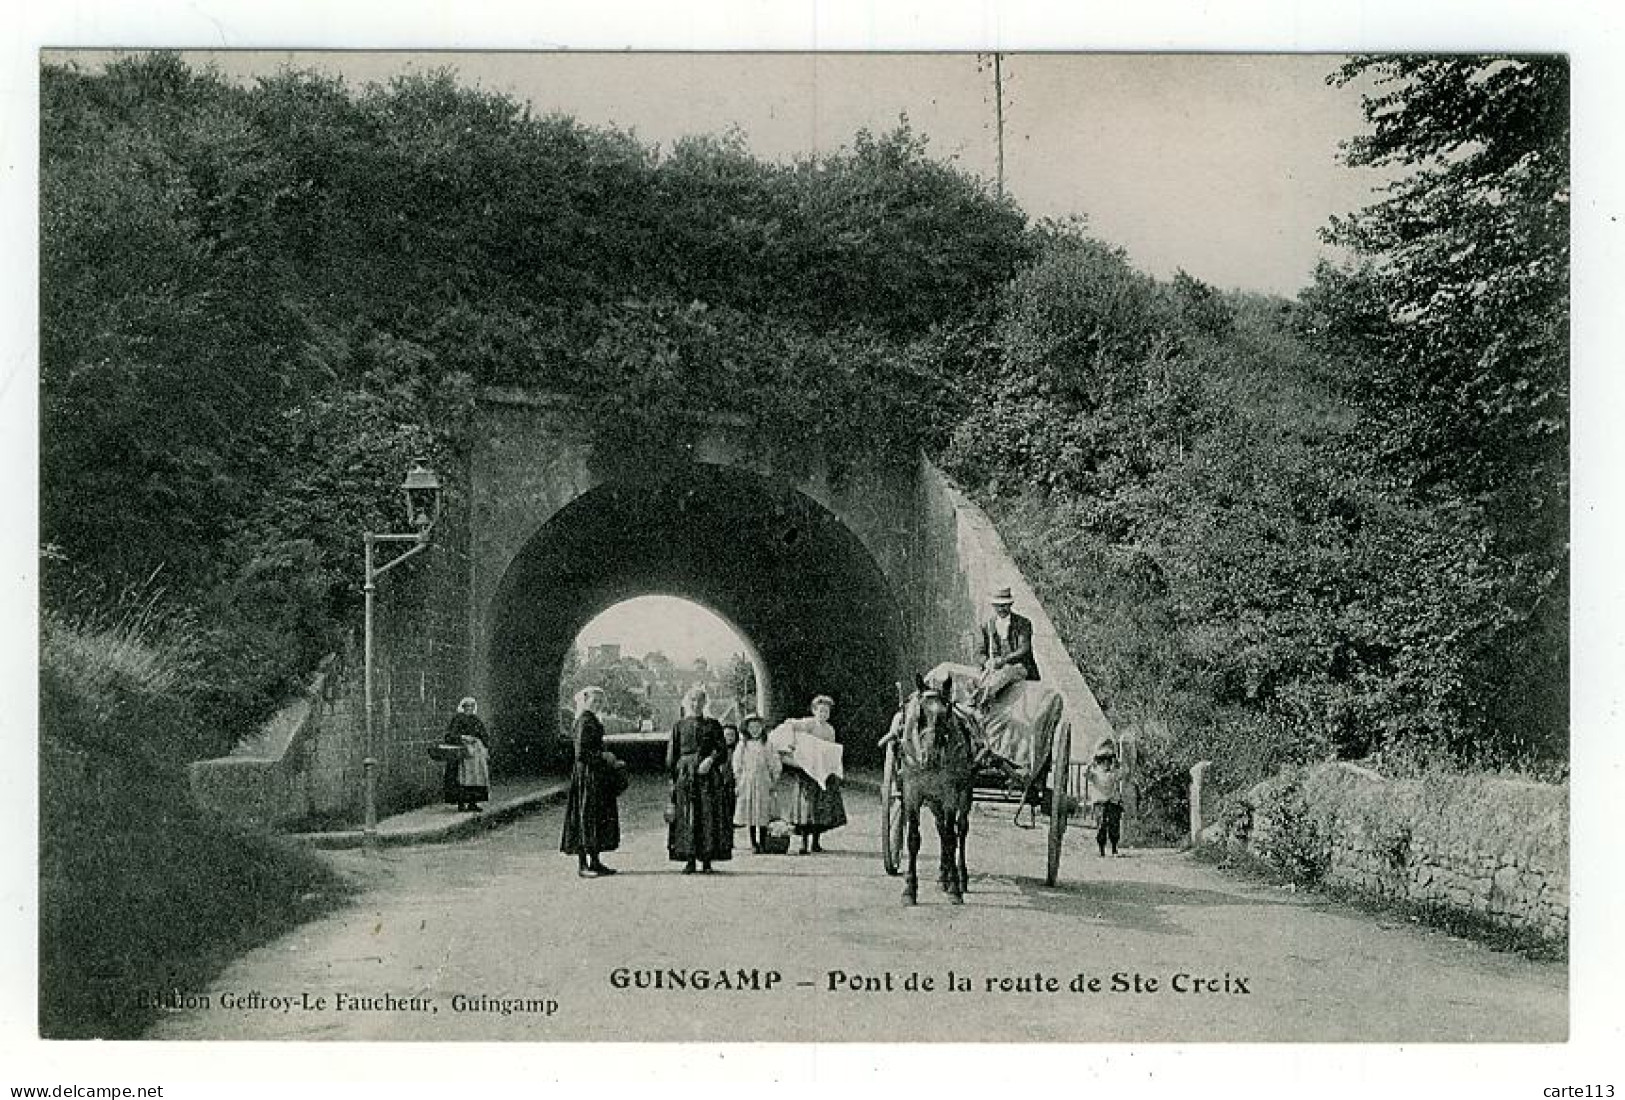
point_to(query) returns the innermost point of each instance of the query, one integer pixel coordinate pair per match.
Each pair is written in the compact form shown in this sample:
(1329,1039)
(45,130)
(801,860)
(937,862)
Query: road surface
(496,938)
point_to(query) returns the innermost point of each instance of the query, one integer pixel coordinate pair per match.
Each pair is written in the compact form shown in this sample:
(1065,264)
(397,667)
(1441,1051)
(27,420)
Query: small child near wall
(1103,792)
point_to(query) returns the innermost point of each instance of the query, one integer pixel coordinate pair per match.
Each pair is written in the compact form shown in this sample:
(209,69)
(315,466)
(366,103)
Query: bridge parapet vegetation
(328,276)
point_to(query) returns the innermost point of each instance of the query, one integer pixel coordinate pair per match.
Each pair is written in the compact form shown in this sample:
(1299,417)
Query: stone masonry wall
(963,561)
(314,768)
(1496,849)
(420,659)
(307,765)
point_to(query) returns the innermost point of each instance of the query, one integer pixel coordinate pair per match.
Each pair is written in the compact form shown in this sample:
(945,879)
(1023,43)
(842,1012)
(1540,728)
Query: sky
(1225,165)
(679,629)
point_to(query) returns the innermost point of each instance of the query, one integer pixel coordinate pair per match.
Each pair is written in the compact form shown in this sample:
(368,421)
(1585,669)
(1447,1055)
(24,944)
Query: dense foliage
(1458,328)
(259,303)
(740,676)
(1278,531)
(1454,335)
(140,892)
(620,681)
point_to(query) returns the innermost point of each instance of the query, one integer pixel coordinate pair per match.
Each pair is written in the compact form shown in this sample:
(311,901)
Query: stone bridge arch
(843,585)
(785,571)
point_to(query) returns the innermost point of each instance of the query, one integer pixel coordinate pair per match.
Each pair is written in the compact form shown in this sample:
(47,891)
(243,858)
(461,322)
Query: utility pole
(998,112)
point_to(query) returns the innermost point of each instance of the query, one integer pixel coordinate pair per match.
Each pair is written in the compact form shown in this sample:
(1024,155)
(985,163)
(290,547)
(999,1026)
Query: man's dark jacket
(1020,648)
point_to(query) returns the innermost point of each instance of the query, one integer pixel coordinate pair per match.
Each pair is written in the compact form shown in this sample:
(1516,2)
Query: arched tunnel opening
(785,572)
(646,654)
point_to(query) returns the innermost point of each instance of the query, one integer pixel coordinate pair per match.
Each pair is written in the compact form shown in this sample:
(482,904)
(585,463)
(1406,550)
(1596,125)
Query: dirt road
(496,938)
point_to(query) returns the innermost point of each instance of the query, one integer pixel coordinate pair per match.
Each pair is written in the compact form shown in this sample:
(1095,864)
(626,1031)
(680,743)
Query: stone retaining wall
(1496,849)
(960,562)
(311,768)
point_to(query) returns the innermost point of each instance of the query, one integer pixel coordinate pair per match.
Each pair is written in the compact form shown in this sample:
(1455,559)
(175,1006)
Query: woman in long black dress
(702,828)
(453,751)
(592,817)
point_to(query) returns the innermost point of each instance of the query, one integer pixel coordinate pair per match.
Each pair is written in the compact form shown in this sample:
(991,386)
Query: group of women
(717,784)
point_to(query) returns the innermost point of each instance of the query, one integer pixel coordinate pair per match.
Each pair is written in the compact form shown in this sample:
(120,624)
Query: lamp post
(421,489)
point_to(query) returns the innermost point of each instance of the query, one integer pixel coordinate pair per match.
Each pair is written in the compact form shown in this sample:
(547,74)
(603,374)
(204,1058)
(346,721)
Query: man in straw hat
(1007,649)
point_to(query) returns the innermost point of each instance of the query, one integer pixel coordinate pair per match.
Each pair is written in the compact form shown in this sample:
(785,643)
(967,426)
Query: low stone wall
(306,763)
(1496,849)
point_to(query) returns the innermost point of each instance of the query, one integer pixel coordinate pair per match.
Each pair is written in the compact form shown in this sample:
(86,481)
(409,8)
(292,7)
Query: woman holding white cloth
(813,808)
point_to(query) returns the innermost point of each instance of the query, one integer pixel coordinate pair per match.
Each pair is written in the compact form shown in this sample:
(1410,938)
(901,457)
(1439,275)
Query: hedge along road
(496,938)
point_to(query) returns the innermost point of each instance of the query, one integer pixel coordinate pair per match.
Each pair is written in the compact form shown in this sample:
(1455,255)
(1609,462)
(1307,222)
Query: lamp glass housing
(421,489)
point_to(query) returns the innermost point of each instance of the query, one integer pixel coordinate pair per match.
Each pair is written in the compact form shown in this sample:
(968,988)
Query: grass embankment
(141,894)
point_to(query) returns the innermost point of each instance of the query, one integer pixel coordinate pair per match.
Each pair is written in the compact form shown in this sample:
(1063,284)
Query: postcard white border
(1589,32)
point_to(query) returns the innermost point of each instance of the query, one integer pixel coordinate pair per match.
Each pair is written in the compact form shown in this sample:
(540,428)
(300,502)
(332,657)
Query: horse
(935,764)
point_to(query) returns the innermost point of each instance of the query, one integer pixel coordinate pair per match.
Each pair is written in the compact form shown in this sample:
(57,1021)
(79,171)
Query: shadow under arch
(787,573)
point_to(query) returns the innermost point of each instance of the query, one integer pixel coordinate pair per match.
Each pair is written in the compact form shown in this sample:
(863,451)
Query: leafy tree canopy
(216,255)
(1454,325)
(1459,313)
(257,302)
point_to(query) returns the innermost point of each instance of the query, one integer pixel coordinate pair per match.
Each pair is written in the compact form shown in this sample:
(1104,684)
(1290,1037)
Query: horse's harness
(919,752)
(916,755)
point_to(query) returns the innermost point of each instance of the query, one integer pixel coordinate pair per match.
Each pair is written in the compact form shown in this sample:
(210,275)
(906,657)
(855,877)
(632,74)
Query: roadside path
(502,917)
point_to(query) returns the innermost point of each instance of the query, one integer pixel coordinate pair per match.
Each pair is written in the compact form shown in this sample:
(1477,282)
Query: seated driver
(1006,650)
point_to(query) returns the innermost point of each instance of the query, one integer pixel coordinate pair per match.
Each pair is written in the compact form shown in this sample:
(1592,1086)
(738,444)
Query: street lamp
(421,491)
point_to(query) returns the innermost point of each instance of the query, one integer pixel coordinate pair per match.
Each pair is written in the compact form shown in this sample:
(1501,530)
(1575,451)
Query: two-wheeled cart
(1047,786)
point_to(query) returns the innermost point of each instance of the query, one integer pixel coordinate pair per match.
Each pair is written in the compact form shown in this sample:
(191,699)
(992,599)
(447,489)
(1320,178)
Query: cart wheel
(1060,803)
(891,814)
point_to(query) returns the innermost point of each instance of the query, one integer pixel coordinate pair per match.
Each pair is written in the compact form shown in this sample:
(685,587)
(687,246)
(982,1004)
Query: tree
(158,343)
(1468,254)
(1087,384)
(256,300)
(1201,307)
(741,680)
(1455,325)
(620,680)
(895,240)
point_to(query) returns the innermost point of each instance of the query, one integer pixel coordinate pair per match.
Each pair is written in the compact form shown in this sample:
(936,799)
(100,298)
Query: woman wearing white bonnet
(467,778)
(592,816)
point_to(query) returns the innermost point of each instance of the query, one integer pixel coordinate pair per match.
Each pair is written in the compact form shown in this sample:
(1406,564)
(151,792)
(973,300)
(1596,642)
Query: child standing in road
(756,769)
(730,777)
(1103,787)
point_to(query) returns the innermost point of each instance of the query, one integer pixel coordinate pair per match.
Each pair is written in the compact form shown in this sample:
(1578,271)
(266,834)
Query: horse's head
(938,680)
(932,730)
